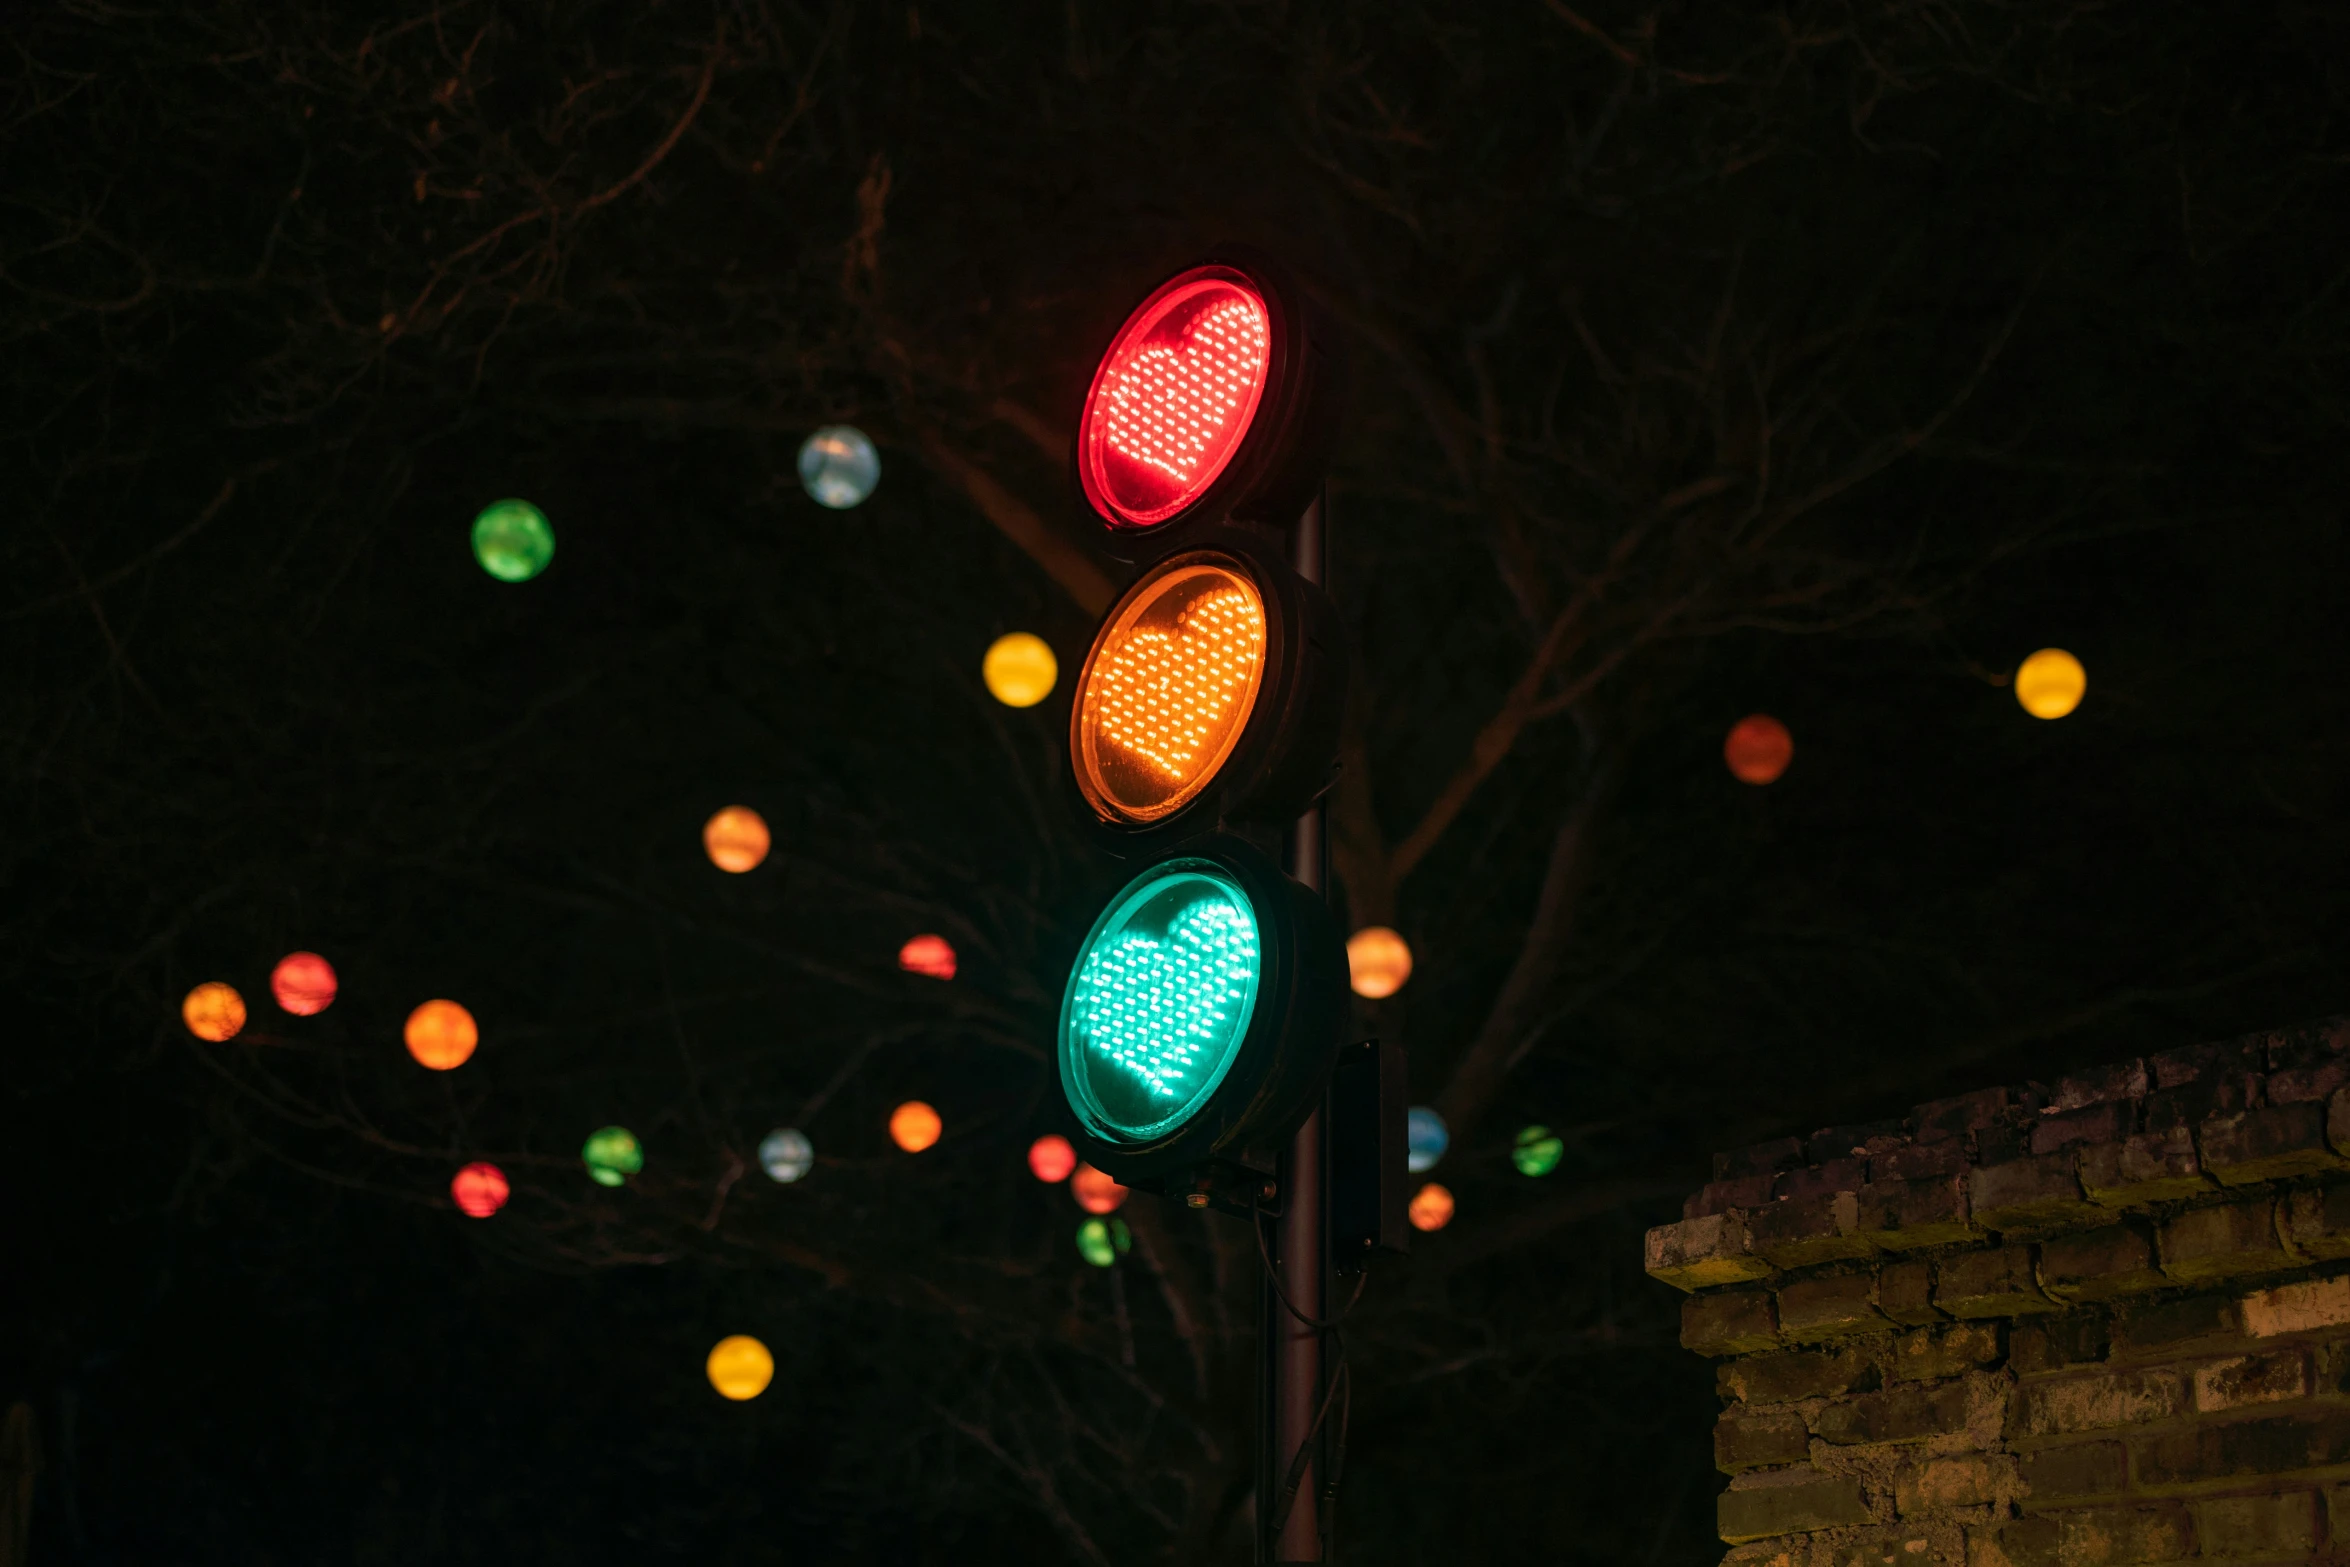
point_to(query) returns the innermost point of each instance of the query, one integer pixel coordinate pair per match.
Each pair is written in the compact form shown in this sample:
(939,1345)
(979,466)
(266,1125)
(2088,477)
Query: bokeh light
(1430,1208)
(930,956)
(735,839)
(612,1154)
(914,1126)
(1758,749)
(2050,683)
(1426,1137)
(740,1367)
(441,1035)
(1019,669)
(304,983)
(1103,1241)
(1050,1158)
(786,1155)
(838,466)
(1095,1191)
(1537,1151)
(213,1011)
(480,1189)
(513,541)
(1378,961)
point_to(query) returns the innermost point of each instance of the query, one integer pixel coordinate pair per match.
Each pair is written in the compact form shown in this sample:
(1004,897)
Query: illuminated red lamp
(304,983)
(1205,402)
(1050,1158)
(480,1189)
(1758,749)
(928,955)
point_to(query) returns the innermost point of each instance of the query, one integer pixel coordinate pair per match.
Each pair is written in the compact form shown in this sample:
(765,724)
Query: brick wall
(2104,1321)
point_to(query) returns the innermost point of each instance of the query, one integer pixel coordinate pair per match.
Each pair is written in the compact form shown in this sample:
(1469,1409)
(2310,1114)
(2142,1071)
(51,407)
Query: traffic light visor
(1168,689)
(1174,396)
(1159,1001)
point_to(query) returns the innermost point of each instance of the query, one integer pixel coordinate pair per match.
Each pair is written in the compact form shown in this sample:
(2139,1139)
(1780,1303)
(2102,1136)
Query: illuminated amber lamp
(1758,749)
(1096,1192)
(1378,961)
(304,983)
(1430,1209)
(740,1367)
(480,1189)
(931,956)
(914,1126)
(2050,683)
(1050,1158)
(213,1011)
(736,839)
(442,1035)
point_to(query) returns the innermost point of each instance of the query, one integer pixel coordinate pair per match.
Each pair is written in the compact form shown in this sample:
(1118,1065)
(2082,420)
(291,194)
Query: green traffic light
(1159,1001)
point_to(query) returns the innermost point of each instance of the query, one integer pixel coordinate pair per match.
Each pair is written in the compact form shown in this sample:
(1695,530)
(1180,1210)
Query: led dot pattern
(1159,1001)
(1169,688)
(1173,397)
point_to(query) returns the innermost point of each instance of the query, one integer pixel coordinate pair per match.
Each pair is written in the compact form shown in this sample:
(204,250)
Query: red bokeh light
(1173,397)
(480,1189)
(1096,1192)
(1758,749)
(304,983)
(1050,1158)
(928,954)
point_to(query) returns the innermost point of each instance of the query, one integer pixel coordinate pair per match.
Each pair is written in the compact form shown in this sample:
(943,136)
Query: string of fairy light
(1173,691)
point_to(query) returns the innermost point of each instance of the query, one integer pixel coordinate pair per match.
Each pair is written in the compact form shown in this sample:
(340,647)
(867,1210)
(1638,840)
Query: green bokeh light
(1159,1001)
(1103,1241)
(612,1154)
(1538,1152)
(513,540)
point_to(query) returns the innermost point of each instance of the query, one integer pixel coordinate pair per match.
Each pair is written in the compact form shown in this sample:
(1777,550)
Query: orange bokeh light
(1050,1158)
(1758,749)
(213,1011)
(480,1189)
(1168,689)
(736,839)
(1378,961)
(914,1126)
(928,955)
(442,1035)
(1096,1192)
(304,983)
(1431,1208)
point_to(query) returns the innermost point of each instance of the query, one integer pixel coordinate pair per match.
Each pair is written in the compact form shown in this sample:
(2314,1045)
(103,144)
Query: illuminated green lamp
(612,1154)
(1201,1012)
(513,540)
(1538,1151)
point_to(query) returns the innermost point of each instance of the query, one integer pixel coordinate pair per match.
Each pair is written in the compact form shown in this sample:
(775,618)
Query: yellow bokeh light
(740,1367)
(914,1126)
(1019,669)
(1378,961)
(735,839)
(1168,689)
(2050,683)
(213,1011)
(442,1035)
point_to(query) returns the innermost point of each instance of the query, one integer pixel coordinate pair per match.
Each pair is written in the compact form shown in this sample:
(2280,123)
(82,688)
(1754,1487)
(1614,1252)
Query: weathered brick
(1825,1179)
(2096,1403)
(2005,1141)
(1805,1231)
(2317,1222)
(2170,1327)
(2150,1167)
(2307,1045)
(2332,1372)
(2250,1379)
(2318,1081)
(1997,1283)
(1920,1161)
(1788,1501)
(2098,1536)
(2056,1344)
(2200,1063)
(2338,1120)
(1759,1159)
(1814,1309)
(2216,1243)
(1908,1413)
(2022,1542)
(1905,1292)
(1911,1547)
(1905,1215)
(2194,1103)
(1852,1141)
(2304,1306)
(1749,1439)
(1952,1119)
(2074,1472)
(2100,1085)
(1729,1322)
(1928,1354)
(1966,1480)
(1697,1254)
(1792,1551)
(2099,1264)
(1794,1374)
(2031,1194)
(2282,1444)
(2257,1525)
(1746,1191)
(2275,1144)
(2097,1123)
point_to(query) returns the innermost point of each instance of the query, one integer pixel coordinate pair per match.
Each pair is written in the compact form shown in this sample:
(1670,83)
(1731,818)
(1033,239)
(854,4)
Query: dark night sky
(1820,361)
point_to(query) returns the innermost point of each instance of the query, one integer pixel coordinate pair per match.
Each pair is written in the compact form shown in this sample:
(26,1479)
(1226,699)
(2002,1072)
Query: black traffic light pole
(1293,1311)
